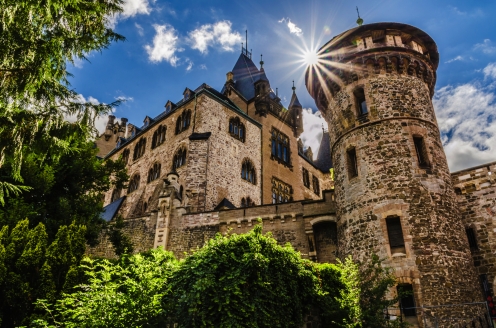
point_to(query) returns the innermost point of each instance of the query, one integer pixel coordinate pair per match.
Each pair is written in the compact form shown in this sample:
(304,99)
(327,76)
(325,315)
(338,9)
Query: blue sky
(179,44)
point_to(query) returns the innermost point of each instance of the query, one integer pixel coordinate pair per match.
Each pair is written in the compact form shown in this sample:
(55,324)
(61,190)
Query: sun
(310,57)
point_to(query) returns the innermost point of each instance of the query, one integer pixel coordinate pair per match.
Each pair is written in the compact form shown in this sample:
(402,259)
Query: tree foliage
(64,187)
(32,268)
(123,294)
(245,280)
(37,40)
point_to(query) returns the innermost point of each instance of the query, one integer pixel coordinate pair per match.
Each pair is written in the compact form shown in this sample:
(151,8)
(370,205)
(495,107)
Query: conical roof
(324,161)
(294,101)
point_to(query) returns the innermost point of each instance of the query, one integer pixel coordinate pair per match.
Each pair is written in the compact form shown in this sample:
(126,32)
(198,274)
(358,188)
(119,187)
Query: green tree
(31,268)
(37,40)
(64,187)
(127,293)
(246,280)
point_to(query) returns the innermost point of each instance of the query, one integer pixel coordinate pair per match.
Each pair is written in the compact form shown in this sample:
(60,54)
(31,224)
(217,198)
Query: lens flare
(310,57)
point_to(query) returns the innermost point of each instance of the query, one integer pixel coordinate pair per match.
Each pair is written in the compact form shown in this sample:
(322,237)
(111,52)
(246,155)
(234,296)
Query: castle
(218,160)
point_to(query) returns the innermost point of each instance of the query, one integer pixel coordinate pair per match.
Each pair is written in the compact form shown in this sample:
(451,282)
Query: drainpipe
(194,116)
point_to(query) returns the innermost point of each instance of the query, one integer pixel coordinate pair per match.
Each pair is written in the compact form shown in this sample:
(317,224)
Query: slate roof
(324,161)
(111,209)
(245,74)
(294,101)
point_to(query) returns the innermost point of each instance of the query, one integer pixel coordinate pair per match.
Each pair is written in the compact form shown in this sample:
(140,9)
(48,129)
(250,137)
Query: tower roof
(323,161)
(294,100)
(245,74)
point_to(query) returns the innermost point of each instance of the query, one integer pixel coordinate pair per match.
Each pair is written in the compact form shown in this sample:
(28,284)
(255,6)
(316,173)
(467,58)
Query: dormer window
(169,106)
(361,103)
(147,121)
(187,94)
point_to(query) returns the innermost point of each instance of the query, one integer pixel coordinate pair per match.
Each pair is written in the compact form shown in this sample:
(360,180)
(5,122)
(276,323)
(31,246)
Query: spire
(294,99)
(359,20)
(261,61)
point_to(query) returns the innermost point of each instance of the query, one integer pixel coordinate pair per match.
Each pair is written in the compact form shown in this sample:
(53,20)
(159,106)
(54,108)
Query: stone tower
(374,86)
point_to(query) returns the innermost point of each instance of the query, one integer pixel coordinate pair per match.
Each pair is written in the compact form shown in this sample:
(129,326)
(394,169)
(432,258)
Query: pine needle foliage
(37,41)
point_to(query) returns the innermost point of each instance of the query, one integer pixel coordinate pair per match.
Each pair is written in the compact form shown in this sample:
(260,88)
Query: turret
(296,111)
(374,85)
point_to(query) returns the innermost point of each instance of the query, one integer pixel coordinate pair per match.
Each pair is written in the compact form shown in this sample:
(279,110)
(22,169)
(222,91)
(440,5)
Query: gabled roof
(111,209)
(324,161)
(224,204)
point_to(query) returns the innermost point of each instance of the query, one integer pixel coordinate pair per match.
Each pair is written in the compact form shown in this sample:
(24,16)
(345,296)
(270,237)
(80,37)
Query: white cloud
(190,64)
(132,8)
(165,45)
(467,119)
(141,32)
(457,58)
(291,26)
(209,35)
(312,130)
(486,47)
(203,66)
(124,98)
(490,71)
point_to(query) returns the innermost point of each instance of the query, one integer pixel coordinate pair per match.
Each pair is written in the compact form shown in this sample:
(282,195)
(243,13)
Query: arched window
(125,156)
(248,171)
(154,172)
(316,186)
(159,136)
(247,202)
(179,158)
(139,149)
(145,207)
(116,194)
(237,129)
(133,183)
(183,121)
(306,178)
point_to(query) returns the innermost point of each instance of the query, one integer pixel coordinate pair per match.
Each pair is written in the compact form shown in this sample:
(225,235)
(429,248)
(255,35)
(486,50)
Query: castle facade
(218,160)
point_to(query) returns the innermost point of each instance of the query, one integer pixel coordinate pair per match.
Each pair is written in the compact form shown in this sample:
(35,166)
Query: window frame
(179,158)
(159,136)
(248,172)
(139,149)
(281,191)
(360,100)
(472,239)
(125,155)
(280,147)
(134,183)
(421,152)
(315,185)
(306,177)
(183,121)
(395,234)
(237,129)
(154,172)
(352,162)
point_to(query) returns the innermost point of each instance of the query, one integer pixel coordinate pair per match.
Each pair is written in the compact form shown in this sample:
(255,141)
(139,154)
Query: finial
(294,88)
(359,20)
(242,49)
(247,40)
(277,92)
(261,61)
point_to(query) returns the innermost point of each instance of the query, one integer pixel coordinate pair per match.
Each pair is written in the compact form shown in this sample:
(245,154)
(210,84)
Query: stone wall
(476,196)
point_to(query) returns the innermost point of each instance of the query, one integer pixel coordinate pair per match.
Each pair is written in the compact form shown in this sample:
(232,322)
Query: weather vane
(359,20)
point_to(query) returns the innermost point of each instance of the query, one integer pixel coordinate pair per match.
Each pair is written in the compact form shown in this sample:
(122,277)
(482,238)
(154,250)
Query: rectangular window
(407,301)
(352,163)
(280,147)
(472,240)
(360,102)
(281,191)
(395,234)
(421,151)
(306,178)
(316,187)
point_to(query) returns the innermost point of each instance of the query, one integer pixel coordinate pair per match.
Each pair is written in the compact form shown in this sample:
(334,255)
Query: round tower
(374,85)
